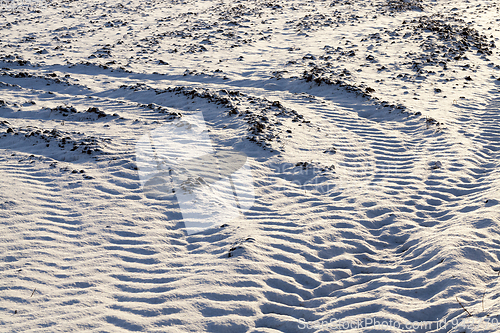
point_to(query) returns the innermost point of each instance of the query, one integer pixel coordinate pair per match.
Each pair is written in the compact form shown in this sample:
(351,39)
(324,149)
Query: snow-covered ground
(371,129)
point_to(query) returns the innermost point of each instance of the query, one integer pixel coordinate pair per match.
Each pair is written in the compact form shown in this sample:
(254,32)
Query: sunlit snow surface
(345,170)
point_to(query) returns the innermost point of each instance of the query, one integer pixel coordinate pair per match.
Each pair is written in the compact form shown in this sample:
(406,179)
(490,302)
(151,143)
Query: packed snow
(339,171)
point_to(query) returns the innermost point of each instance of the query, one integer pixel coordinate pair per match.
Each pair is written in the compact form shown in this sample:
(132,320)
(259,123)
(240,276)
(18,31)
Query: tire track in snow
(364,247)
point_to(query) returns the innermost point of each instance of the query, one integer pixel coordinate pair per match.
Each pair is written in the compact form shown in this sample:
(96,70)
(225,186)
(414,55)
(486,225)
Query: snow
(340,171)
